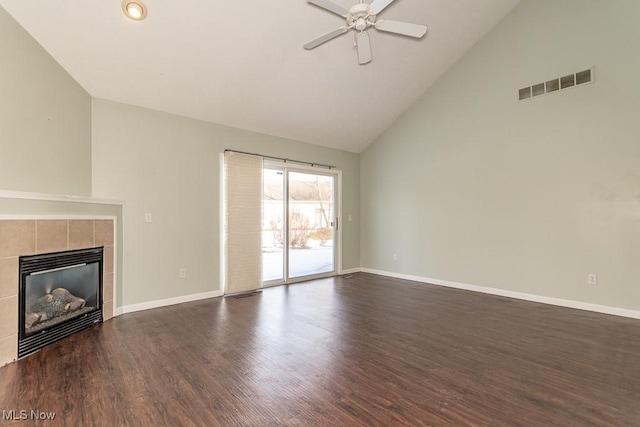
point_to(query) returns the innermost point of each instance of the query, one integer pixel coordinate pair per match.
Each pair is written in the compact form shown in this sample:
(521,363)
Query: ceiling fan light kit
(359,18)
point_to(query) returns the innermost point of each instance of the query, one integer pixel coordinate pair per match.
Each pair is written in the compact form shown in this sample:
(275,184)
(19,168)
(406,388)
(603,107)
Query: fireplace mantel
(25,195)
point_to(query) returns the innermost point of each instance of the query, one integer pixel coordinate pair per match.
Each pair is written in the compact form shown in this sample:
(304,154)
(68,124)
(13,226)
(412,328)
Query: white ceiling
(242,64)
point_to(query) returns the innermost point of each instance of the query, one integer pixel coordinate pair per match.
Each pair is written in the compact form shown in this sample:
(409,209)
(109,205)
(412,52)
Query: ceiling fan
(359,18)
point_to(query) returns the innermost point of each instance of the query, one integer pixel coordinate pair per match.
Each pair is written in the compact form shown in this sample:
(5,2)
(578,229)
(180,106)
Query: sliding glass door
(299,225)
(311,217)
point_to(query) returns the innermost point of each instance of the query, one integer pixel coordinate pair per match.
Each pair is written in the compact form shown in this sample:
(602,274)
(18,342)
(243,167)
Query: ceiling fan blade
(364,48)
(378,6)
(331,7)
(403,28)
(325,38)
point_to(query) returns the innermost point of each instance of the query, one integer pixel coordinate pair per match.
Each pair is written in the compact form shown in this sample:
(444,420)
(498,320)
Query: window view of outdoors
(310,224)
(272,214)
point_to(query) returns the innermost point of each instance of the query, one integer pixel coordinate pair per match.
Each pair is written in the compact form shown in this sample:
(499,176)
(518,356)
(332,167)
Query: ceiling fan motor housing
(359,10)
(360,17)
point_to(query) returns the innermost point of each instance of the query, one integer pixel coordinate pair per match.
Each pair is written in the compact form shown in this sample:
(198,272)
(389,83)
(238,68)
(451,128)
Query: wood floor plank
(362,351)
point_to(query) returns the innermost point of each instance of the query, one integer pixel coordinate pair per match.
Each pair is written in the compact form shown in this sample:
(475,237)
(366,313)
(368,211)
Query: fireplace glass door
(55,296)
(60,294)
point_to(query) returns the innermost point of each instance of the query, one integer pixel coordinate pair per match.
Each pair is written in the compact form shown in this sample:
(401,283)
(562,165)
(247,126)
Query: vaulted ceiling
(242,64)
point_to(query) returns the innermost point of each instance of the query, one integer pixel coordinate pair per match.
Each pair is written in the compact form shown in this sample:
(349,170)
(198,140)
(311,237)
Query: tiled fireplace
(29,237)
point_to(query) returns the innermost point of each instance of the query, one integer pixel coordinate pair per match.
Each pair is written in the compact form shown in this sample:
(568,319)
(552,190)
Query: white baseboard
(623,312)
(165,302)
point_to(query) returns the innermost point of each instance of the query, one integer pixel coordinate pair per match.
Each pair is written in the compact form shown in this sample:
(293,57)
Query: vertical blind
(243,229)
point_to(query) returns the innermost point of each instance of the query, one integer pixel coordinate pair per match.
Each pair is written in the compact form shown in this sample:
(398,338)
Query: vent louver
(555,85)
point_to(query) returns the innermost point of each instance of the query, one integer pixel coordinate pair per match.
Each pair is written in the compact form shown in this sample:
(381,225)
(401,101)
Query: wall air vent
(554,85)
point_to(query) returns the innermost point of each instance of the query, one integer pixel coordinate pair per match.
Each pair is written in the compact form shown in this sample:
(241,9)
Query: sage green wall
(472,186)
(45,119)
(169,166)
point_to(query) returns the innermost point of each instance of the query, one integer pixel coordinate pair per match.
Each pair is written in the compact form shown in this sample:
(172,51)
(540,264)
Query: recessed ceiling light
(134,9)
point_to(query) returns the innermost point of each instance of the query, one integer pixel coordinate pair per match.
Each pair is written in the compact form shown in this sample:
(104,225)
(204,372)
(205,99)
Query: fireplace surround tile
(8,316)
(8,277)
(8,349)
(107,310)
(52,236)
(81,234)
(17,238)
(108,259)
(107,286)
(103,232)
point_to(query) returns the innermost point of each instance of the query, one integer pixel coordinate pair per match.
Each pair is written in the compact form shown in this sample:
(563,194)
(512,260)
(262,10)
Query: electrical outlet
(395,257)
(350,219)
(592,279)
(182,273)
(148,217)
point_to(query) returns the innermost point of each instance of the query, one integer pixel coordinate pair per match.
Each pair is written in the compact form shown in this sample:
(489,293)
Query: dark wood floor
(366,350)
